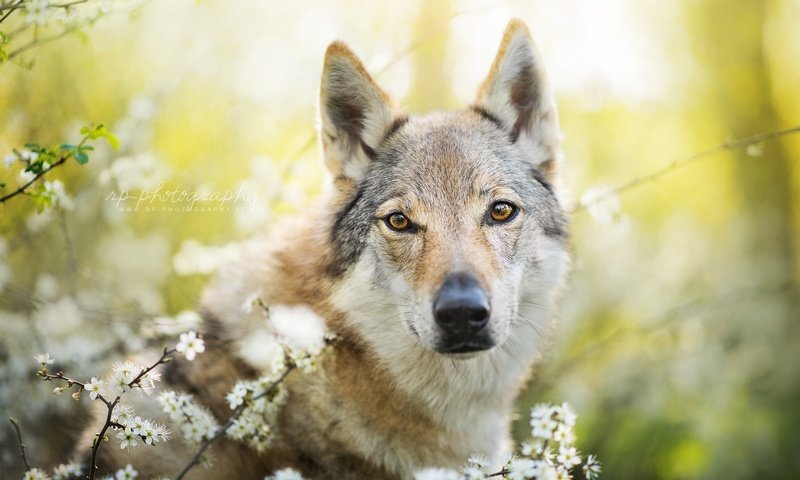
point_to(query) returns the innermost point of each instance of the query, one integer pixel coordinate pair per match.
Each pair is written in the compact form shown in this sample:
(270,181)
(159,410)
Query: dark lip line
(455,349)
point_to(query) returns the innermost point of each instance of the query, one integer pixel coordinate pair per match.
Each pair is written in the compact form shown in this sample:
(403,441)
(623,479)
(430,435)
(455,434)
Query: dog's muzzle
(461,310)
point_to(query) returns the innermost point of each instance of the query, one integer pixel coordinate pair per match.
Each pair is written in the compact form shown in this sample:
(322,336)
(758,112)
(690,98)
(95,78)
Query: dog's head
(448,224)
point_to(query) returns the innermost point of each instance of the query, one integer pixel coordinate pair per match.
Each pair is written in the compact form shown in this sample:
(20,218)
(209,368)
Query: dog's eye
(398,222)
(502,212)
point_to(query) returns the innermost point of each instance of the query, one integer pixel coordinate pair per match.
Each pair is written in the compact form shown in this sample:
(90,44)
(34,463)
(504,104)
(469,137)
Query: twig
(108,423)
(110,404)
(498,474)
(221,430)
(21,445)
(664,320)
(67,4)
(39,175)
(10,8)
(729,145)
(41,41)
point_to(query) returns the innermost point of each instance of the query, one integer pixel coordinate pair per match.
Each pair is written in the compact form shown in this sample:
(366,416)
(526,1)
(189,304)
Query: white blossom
(44,359)
(122,374)
(56,191)
(9,160)
(478,461)
(521,469)
(94,387)
(141,172)
(46,286)
(126,473)
(122,414)
(473,473)
(36,474)
(250,302)
(437,474)
(195,258)
(602,203)
(591,469)
(38,11)
(28,155)
(236,396)
(299,326)
(190,345)
(285,474)
(568,456)
(755,150)
(26,176)
(127,439)
(67,471)
(195,422)
(153,433)
(148,381)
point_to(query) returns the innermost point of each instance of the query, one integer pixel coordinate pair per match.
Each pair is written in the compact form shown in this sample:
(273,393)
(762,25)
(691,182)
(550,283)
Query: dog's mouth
(465,347)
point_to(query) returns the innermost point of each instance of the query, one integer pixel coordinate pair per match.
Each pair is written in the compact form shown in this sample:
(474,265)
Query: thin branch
(67,4)
(21,445)
(41,41)
(238,412)
(39,175)
(663,320)
(110,404)
(99,439)
(498,474)
(729,145)
(10,8)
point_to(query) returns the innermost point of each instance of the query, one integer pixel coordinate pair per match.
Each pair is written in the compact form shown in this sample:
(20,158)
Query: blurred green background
(678,341)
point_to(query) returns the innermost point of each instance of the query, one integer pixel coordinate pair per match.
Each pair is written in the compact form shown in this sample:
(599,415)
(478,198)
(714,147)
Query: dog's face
(452,218)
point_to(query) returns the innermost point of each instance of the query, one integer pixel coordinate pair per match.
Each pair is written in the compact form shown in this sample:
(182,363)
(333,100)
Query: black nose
(461,306)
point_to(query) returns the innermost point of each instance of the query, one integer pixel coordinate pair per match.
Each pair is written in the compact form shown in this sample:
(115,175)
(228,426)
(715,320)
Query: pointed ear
(355,115)
(516,95)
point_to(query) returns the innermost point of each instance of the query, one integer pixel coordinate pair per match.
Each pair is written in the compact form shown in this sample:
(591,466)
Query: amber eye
(397,221)
(502,212)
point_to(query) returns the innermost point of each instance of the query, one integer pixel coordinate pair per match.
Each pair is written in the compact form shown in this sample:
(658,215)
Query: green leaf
(81,157)
(68,148)
(111,139)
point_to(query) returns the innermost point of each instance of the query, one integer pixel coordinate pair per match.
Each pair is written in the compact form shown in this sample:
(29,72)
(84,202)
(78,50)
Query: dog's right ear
(355,116)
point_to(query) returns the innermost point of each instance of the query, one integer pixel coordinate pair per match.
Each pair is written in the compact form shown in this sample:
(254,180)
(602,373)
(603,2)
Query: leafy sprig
(39,159)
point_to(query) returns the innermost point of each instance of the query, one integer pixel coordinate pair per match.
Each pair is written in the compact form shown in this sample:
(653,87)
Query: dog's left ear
(516,94)
(355,116)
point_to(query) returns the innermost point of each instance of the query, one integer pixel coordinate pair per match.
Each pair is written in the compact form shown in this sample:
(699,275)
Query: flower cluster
(131,428)
(124,377)
(549,454)
(196,422)
(255,403)
(262,399)
(73,471)
(40,12)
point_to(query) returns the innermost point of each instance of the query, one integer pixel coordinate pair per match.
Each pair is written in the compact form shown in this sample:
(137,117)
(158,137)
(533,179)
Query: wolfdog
(437,255)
